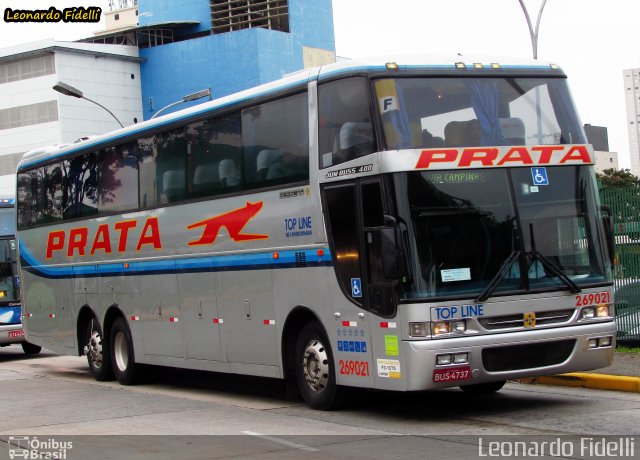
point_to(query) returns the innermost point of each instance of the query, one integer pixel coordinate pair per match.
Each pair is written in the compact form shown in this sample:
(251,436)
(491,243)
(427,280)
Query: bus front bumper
(507,356)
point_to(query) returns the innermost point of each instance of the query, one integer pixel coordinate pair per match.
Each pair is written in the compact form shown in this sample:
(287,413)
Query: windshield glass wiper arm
(504,269)
(555,270)
(550,265)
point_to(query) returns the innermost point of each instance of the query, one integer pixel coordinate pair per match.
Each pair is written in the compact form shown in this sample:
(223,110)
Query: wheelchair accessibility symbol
(539,176)
(356,287)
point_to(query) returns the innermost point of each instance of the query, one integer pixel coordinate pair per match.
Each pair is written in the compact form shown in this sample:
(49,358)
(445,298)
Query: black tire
(97,351)
(30,348)
(314,369)
(123,360)
(483,388)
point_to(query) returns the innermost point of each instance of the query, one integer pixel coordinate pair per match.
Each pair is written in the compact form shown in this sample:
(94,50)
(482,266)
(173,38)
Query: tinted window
(346,131)
(118,179)
(214,156)
(81,185)
(275,140)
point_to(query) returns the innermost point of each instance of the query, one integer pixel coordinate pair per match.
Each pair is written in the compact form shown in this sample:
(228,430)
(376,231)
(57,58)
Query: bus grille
(530,356)
(513,321)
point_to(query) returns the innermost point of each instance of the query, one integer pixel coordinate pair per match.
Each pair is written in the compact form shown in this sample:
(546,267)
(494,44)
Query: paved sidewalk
(622,375)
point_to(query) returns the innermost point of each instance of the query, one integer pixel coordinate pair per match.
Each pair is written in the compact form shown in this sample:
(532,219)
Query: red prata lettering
(79,239)
(491,156)
(55,242)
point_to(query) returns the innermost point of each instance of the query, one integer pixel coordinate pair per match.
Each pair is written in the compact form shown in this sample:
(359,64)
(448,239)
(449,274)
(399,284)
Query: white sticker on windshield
(455,274)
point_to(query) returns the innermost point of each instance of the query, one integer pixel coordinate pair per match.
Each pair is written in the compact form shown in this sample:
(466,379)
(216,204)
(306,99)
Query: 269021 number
(359,368)
(593,298)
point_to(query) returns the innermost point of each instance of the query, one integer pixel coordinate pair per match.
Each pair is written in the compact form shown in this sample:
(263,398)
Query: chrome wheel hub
(315,365)
(94,349)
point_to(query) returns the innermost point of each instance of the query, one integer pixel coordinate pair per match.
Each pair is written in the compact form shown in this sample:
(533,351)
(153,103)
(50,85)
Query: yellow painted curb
(597,381)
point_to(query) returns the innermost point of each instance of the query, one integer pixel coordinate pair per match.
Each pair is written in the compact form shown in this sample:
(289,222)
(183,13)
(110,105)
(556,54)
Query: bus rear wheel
(97,353)
(126,370)
(483,388)
(314,369)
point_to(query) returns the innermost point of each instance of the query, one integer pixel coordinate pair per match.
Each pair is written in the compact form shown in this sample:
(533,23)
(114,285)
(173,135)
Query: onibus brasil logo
(31,447)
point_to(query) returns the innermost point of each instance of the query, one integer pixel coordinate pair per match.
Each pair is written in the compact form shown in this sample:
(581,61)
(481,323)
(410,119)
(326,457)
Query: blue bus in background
(10,308)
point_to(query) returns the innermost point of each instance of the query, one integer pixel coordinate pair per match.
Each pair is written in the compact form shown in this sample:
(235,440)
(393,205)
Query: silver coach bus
(402,225)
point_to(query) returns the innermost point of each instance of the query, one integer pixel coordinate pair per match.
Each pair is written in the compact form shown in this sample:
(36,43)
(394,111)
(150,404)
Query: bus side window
(213,162)
(346,129)
(118,179)
(275,142)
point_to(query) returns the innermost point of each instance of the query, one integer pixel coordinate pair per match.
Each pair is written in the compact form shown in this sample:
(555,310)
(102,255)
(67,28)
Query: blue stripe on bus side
(250,261)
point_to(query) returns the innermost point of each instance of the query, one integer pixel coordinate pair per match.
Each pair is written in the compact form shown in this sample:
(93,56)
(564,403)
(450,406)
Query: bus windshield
(469,112)
(469,229)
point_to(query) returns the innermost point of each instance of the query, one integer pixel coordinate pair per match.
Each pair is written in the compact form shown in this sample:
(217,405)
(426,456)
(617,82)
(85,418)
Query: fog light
(602,311)
(461,358)
(440,328)
(418,329)
(443,359)
(605,341)
(458,326)
(592,343)
(588,313)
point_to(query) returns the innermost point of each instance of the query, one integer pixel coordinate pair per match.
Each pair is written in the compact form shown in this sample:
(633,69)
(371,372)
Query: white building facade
(33,115)
(632,100)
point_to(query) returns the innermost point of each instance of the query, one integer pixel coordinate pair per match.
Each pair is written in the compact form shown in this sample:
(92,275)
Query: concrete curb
(588,380)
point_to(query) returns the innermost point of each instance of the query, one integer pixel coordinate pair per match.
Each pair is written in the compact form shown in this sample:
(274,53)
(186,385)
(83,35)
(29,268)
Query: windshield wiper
(555,270)
(551,266)
(534,256)
(504,269)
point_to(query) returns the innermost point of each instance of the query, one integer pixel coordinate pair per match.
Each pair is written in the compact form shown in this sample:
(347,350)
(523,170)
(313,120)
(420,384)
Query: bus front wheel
(315,372)
(126,370)
(97,353)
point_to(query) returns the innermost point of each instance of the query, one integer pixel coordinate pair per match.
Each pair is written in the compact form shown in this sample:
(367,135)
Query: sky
(592,40)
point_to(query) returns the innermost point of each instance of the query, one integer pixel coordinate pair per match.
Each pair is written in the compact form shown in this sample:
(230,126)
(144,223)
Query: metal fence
(625,208)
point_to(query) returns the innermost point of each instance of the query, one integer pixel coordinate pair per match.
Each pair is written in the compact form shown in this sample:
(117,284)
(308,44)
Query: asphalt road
(51,406)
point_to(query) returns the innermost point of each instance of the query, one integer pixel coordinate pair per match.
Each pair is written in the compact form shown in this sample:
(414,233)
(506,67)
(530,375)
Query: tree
(617,178)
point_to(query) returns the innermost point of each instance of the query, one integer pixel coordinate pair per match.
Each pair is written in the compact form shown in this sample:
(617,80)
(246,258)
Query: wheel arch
(113,312)
(85,315)
(297,318)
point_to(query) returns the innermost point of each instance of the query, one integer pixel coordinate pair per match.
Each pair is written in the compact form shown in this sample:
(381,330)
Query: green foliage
(625,349)
(617,178)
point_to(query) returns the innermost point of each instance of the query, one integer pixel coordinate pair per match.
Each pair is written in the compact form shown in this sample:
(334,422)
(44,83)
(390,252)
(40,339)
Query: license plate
(14,334)
(452,374)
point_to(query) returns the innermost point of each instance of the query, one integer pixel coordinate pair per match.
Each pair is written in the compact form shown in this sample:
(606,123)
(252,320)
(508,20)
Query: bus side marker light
(173,319)
(217,321)
(269,322)
(320,252)
(350,324)
(135,318)
(387,325)
(52,315)
(28,315)
(276,256)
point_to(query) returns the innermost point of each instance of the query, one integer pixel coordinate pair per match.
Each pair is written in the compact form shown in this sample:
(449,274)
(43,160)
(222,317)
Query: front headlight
(598,311)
